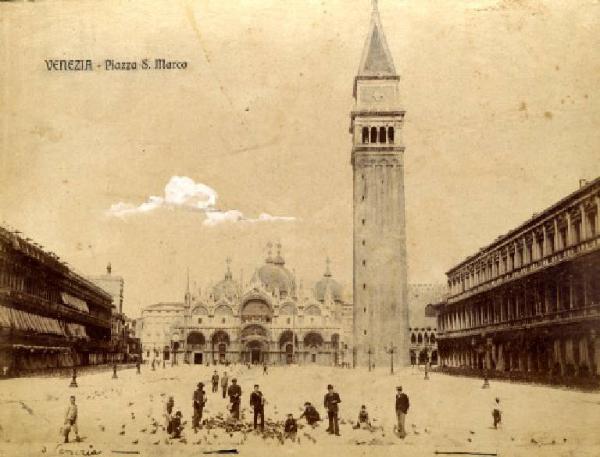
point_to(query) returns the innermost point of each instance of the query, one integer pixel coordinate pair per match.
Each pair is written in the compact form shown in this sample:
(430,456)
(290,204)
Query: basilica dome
(274,275)
(326,282)
(226,288)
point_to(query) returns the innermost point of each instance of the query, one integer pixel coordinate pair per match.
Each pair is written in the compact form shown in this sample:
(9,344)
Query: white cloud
(216,217)
(184,193)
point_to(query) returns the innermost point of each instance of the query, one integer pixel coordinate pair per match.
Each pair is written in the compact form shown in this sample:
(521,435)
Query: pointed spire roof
(376,58)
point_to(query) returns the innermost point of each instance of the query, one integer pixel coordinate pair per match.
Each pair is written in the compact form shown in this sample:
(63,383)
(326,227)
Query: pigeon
(156,442)
(533,440)
(135,442)
(471,432)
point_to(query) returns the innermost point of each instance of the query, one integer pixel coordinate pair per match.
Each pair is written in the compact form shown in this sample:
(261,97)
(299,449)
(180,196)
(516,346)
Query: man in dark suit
(215,381)
(199,400)
(310,414)
(402,405)
(331,401)
(257,401)
(235,396)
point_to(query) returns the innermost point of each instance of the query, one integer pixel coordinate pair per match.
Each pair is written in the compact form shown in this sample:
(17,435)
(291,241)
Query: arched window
(432,338)
(373,134)
(426,338)
(413,338)
(365,135)
(382,134)
(420,338)
(391,134)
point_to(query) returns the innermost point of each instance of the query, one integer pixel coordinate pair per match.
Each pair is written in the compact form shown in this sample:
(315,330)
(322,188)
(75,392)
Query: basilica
(271,319)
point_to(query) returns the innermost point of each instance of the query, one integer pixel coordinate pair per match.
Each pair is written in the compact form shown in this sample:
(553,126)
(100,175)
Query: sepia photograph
(300,227)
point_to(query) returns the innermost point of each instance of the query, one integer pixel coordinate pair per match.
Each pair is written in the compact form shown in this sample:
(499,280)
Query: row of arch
(420,338)
(255,307)
(377,135)
(311,339)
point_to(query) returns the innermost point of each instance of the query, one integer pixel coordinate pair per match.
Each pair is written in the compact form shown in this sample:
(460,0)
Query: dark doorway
(197,358)
(289,354)
(222,352)
(255,356)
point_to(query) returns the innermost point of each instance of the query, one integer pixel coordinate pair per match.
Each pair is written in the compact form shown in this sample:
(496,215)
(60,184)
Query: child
(363,418)
(71,421)
(496,412)
(175,426)
(290,428)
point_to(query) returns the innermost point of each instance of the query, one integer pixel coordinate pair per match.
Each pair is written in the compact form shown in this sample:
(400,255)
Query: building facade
(50,317)
(155,327)
(272,319)
(528,305)
(423,322)
(379,238)
(114,285)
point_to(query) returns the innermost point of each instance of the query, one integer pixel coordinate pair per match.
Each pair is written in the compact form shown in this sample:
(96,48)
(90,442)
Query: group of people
(331,401)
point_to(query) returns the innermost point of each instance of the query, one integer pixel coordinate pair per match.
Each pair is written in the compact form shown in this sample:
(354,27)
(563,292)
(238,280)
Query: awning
(74,302)
(4,317)
(76,330)
(22,320)
(27,347)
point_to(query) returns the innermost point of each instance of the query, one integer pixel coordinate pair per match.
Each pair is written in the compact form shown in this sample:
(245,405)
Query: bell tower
(379,250)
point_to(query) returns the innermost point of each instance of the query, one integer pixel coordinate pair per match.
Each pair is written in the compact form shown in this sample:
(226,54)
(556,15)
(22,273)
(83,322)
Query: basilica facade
(271,319)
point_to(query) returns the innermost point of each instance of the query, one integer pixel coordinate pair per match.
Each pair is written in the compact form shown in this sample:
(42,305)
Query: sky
(157,172)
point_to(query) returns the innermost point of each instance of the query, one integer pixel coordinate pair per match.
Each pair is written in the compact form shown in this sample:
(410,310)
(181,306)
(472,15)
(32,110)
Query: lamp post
(370,351)
(74,378)
(391,351)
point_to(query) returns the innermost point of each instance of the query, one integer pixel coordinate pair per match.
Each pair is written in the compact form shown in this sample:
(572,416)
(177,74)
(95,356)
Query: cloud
(182,192)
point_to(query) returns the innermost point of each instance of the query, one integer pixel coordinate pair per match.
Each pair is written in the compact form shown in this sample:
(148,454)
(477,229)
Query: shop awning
(4,317)
(74,302)
(27,347)
(22,320)
(75,330)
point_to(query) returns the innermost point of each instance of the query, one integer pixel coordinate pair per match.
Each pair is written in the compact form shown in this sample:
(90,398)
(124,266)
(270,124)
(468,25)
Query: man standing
(199,402)
(215,381)
(265,368)
(224,383)
(257,401)
(402,405)
(235,396)
(71,421)
(331,401)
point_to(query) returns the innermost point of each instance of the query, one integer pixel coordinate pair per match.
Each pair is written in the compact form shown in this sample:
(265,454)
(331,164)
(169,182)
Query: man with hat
(331,401)
(199,402)
(310,414)
(215,381)
(402,405)
(235,396)
(224,383)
